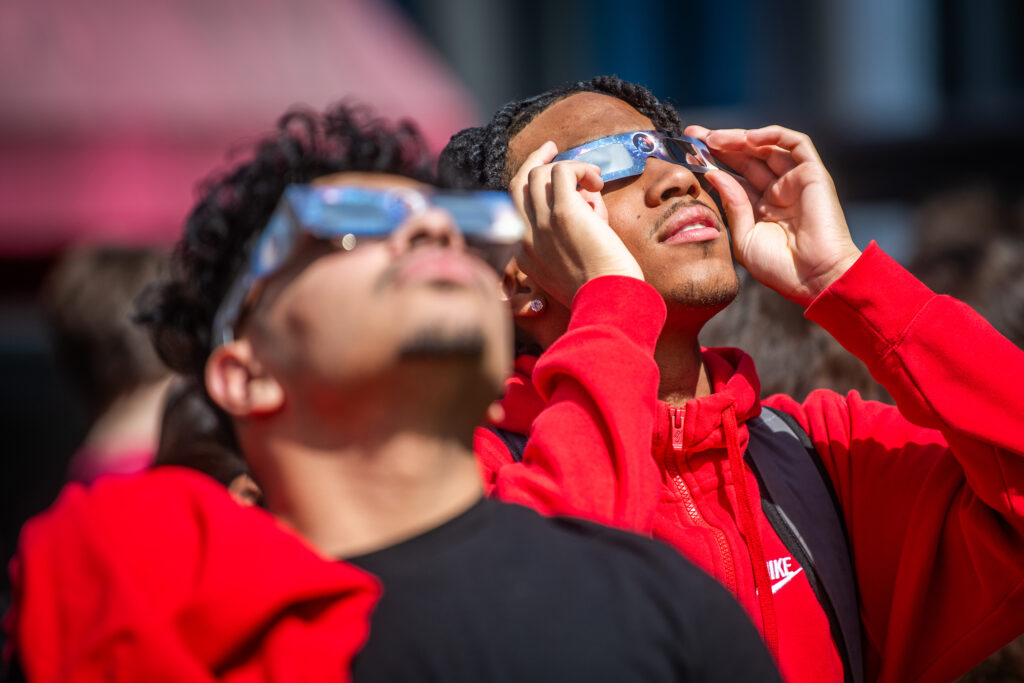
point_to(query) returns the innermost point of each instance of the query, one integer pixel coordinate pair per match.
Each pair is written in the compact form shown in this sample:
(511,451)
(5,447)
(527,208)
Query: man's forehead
(573,121)
(372,181)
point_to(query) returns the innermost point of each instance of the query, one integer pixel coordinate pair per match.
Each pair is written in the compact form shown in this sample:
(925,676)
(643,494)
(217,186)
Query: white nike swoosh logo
(782,582)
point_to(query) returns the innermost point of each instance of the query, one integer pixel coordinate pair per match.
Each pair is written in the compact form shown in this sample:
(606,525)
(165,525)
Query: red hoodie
(932,492)
(163,577)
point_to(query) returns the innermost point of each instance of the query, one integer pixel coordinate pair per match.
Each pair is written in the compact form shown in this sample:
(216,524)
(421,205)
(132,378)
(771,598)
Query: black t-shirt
(501,593)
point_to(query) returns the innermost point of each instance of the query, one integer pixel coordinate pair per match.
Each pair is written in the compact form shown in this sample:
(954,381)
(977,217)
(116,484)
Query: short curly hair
(235,205)
(477,158)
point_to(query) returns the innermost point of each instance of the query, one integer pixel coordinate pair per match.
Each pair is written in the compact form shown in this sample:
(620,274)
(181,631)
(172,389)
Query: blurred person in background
(88,300)
(867,542)
(980,265)
(970,245)
(339,312)
(794,356)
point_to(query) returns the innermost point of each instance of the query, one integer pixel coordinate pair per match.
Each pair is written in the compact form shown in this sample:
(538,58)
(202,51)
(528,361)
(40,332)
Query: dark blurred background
(112,110)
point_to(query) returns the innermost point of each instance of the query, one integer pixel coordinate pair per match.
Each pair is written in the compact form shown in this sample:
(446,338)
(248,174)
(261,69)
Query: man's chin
(444,344)
(712,301)
(712,297)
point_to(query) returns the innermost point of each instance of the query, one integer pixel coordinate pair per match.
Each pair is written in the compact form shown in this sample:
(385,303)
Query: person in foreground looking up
(339,309)
(866,541)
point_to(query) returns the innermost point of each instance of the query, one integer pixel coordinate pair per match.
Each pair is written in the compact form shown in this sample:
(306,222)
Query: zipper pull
(675,417)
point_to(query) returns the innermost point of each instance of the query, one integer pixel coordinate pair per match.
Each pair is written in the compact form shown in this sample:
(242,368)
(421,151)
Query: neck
(366,478)
(364,499)
(683,375)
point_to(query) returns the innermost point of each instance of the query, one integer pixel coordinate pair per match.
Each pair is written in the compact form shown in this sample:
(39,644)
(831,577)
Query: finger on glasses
(780,161)
(583,176)
(731,148)
(572,176)
(518,186)
(572,183)
(799,144)
(540,194)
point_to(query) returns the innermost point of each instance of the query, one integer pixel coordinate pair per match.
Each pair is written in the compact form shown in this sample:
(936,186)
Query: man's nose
(667,181)
(434,226)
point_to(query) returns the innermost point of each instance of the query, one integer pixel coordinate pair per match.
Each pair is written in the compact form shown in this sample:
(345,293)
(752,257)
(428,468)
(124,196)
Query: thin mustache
(671,211)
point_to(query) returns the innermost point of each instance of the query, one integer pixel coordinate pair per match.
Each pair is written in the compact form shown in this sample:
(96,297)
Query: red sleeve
(933,491)
(589,448)
(163,577)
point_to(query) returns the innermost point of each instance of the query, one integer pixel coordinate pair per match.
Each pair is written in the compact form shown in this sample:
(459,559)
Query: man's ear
(238,382)
(525,298)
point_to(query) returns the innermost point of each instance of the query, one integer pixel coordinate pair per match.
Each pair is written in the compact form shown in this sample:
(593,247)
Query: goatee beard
(692,296)
(440,344)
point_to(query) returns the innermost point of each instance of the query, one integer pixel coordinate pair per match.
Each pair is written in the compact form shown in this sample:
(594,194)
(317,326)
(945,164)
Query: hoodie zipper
(675,415)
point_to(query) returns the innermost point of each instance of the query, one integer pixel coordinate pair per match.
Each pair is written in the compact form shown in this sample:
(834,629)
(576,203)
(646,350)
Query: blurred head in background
(89,300)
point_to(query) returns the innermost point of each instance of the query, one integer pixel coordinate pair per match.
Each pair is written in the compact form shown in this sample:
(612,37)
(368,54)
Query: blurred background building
(903,97)
(112,110)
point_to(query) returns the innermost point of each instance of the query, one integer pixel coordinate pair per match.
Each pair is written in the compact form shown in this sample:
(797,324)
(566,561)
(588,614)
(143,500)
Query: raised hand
(568,240)
(787,226)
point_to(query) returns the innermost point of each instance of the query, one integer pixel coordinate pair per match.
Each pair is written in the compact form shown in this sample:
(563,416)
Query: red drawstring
(748,526)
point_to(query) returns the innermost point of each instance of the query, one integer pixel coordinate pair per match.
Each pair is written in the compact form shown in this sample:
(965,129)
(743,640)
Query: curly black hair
(237,203)
(477,158)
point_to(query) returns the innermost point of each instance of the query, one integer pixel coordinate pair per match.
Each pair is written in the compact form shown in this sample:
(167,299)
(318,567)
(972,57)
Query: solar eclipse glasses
(626,154)
(488,221)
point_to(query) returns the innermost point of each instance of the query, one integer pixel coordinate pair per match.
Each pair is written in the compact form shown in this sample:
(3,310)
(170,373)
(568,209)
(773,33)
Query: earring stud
(537,305)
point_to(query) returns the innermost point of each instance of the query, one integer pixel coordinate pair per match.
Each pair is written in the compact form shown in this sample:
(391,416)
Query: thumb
(739,214)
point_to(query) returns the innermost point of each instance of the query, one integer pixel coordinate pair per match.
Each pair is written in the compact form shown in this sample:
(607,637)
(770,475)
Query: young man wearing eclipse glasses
(338,310)
(892,546)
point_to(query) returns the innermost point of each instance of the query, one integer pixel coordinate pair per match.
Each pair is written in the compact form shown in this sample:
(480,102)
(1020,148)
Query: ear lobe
(525,299)
(238,383)
(527,306)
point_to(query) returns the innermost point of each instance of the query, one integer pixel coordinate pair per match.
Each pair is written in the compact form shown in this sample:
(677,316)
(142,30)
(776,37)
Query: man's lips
(690,224)
(442,266)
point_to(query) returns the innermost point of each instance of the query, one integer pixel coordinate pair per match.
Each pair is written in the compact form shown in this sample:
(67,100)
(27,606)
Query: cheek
(317,316)
(630,227)
(626,209)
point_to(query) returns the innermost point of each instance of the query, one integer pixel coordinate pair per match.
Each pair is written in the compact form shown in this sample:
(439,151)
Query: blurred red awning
(114,110)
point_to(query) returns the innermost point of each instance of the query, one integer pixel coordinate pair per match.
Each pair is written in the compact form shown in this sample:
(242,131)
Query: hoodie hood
(734,383)
(733,379)
(522,403)
(162,576)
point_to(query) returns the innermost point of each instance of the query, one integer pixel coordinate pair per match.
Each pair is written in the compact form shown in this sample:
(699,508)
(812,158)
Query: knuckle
(564,169)
(560,214)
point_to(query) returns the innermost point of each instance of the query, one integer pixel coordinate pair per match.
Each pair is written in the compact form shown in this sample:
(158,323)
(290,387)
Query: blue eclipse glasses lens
(625,154)
(488,221)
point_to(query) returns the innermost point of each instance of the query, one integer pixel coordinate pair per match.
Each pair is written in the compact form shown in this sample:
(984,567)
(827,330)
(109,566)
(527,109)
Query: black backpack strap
(800,503)
(514,441)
